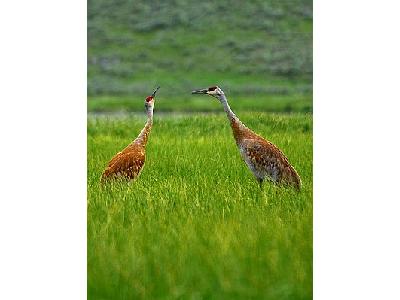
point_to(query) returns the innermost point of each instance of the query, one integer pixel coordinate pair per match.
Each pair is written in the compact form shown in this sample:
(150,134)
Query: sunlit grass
(195,224)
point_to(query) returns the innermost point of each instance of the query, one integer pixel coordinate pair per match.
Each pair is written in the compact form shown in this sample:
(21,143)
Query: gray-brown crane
(264,159)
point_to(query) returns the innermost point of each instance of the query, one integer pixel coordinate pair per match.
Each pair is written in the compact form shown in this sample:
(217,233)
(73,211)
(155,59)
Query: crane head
(150,99)
(214,91)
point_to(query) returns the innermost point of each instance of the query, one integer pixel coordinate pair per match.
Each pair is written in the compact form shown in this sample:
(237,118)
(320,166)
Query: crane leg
(263,196)
(260,181)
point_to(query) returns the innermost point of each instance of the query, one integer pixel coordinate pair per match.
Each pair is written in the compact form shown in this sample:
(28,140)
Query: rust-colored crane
(264,159)
(129,162)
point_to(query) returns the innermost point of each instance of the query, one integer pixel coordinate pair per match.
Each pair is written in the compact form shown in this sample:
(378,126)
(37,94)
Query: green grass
(277,103)
(195,224)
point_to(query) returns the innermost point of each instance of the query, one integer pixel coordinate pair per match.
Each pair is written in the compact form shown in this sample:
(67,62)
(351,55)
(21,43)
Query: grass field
(190,103)
(195,224)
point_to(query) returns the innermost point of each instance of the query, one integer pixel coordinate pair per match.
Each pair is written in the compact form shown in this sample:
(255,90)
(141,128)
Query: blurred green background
(258,52)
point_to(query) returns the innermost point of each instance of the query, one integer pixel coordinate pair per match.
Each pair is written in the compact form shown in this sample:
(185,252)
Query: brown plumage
(129,162)
(263,158)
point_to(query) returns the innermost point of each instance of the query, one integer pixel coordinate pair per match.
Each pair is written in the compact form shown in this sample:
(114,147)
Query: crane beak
(201,91)
(155,91)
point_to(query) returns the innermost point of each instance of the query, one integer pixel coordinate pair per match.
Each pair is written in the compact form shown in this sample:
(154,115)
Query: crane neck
(238,128)
(144,134)
(229,113)
(150,114)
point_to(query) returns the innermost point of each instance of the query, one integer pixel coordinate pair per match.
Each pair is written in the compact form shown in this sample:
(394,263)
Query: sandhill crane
(264,159)
(129,162)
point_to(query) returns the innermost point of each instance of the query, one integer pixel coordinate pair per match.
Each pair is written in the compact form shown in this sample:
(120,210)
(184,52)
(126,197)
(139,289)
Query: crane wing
(126,164)
(266,159)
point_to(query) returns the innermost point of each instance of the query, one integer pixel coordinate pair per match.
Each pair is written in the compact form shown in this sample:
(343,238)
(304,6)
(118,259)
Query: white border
(43,149)
(356,150)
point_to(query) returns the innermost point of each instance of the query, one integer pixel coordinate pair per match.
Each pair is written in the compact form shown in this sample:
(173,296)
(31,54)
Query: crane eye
(213,88)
